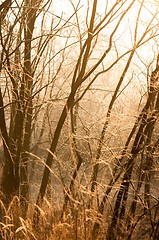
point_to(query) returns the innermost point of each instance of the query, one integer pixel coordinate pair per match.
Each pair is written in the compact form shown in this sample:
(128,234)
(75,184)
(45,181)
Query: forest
(79,117)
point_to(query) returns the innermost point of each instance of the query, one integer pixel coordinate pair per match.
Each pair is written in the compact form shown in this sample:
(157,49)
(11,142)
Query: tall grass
(76,222)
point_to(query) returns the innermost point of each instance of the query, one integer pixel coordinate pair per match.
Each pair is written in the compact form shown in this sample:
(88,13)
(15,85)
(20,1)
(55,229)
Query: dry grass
(77,223)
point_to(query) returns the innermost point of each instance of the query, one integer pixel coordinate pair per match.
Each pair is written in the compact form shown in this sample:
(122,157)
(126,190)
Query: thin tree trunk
(76,83)
(143,137)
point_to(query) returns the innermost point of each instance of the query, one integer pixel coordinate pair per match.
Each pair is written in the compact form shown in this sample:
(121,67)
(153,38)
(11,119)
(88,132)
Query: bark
(8,185)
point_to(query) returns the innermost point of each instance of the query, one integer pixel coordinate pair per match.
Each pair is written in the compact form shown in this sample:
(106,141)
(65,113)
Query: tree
(20,66)
(67,115)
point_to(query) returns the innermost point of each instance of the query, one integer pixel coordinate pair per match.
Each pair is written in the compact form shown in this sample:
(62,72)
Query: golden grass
(76,224)
(14,227)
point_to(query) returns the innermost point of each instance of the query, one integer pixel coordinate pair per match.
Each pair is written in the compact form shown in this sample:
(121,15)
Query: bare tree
(71,117)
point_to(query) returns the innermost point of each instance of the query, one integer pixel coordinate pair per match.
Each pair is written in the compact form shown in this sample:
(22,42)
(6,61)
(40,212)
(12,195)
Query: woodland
(79,117)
